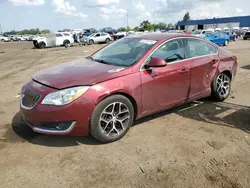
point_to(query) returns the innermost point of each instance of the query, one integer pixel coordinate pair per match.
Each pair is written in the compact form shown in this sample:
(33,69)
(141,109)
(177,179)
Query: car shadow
(219,114)
(246,67)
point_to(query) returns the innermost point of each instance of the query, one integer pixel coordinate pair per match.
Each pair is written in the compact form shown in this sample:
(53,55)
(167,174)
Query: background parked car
(246,35)
(4,39)
(109,30)
(13,38)
(21,38)
(218,38)
(54,39)
(120,35)
(98,38)
(200,33)
(88,32)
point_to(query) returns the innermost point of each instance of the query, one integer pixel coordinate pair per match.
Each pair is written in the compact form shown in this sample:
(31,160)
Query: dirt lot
(202,144)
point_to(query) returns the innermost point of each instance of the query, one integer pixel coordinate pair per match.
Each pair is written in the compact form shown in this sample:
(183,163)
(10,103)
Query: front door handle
(183,71)
(214,61)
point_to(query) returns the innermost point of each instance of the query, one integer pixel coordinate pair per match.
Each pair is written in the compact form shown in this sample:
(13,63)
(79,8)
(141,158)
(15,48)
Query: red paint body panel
(203,70)
(164,87)
(79,73)
(152,90)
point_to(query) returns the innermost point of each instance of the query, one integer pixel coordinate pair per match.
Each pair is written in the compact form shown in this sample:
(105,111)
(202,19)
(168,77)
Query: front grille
(30,99)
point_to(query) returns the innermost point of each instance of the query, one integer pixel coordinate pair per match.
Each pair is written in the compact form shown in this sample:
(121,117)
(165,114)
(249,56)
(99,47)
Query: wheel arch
(66,40)
(130,97)
(228,73)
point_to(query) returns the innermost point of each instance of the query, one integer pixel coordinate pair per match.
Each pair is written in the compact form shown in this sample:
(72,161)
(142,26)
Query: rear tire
(221,87)
(42,45)
(245,38)
(112,118)
(107,40)
(66,43)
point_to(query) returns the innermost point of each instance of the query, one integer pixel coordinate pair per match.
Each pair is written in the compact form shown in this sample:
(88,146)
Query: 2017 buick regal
(136,76)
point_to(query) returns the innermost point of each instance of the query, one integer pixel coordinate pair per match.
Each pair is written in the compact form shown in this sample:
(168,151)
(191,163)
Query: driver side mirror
(156,62)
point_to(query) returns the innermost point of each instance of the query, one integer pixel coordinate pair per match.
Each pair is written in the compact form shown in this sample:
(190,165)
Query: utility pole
(127,18)
(1,29)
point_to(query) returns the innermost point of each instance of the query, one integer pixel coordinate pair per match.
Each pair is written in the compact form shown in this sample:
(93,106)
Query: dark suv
(109,30)
(246,35)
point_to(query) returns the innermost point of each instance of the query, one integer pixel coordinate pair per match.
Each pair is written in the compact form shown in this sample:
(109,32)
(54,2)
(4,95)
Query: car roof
(158,36)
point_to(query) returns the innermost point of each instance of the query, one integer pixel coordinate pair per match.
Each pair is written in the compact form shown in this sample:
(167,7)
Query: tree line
(146,25)
(28,32)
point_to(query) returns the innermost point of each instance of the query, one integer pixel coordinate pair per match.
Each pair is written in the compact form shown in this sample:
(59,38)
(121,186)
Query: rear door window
(170,51)
(196,48)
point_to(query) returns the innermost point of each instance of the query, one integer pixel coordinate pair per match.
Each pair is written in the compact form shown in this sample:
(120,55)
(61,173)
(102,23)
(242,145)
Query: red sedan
(133,77)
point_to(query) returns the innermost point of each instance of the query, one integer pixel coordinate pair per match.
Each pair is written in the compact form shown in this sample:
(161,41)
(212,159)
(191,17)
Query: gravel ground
(201,144)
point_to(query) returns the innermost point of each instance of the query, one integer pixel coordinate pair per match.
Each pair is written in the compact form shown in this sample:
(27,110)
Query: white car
(98,38)
(226,29)
(200,33)
(120,35)
(21,38)
(218,29)
(4,39)
(244,29)
(54,39)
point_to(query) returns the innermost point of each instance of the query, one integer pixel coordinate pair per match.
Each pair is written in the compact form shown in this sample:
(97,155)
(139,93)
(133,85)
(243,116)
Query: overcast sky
(60,14)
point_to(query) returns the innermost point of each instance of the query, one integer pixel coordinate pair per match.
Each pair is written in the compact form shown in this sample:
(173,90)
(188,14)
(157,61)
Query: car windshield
(92,35)
(196,32)
(124,52)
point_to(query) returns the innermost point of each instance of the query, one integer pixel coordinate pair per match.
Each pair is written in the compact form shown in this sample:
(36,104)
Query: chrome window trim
(144,62)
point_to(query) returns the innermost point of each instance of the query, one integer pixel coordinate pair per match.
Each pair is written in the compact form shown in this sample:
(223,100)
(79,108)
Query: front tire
(221,87)
(226,42)
(91,42)
(112,118)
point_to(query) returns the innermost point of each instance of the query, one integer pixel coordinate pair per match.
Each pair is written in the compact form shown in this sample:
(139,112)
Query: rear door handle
(183,71)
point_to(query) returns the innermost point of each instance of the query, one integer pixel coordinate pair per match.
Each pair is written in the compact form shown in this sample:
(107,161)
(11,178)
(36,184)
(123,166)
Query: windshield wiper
(102,61)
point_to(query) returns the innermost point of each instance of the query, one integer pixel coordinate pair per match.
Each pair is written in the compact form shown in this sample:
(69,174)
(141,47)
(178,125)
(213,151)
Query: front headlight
(64,96)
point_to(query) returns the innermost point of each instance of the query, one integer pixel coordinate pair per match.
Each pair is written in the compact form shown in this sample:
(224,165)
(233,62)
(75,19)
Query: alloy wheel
(114,119)
(223,85)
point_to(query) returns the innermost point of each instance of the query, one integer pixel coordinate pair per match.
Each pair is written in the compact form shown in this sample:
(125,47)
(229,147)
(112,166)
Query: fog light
(64,125)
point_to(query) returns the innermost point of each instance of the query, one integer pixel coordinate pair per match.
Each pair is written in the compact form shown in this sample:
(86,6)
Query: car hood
(79,73)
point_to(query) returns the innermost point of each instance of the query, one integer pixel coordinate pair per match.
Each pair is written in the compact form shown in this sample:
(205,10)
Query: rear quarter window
(58,35)
(66,34)
(211,49)
(197,48)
